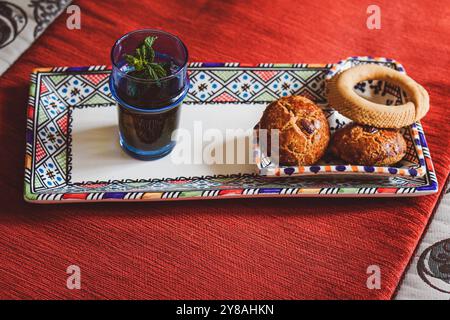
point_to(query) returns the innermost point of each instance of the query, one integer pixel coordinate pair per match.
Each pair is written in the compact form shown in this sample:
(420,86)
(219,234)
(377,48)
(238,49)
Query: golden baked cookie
(370,146)
(303,130)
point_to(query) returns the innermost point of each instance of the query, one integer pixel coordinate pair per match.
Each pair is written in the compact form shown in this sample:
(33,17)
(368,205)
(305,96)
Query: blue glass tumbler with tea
(149,108)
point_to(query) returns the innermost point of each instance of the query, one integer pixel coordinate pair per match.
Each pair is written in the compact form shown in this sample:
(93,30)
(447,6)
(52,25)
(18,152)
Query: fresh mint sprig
(143,61)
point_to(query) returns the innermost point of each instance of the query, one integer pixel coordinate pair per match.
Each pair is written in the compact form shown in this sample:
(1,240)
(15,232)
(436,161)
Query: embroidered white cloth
(428,276)
(22,22)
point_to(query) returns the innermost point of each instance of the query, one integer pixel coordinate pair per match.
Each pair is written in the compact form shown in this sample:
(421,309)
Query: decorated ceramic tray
(73,154)
(412,165)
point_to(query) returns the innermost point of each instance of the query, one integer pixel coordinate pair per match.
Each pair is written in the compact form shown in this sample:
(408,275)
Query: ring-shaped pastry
(343,98)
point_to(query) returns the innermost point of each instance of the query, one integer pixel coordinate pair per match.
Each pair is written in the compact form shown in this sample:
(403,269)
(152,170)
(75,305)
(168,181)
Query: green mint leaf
(159,70)
(130,59)
(151,55)
(151,73)
(149,41)
(144,52)
(143,61)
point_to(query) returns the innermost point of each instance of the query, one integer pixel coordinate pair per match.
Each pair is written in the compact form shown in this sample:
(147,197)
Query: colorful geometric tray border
(266,168)
(183,188)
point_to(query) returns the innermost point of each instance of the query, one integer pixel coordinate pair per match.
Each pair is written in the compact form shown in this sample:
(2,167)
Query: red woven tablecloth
(284,248)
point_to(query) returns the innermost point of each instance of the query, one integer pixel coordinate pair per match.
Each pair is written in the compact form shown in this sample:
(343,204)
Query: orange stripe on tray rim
(429,164)
(42,70)
(152,195)
(309,191)
(28,161)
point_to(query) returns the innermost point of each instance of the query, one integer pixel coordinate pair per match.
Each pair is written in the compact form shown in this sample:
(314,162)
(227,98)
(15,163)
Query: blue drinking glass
(149,110)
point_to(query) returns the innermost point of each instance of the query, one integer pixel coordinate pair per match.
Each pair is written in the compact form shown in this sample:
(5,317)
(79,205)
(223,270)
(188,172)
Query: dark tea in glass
(148,108)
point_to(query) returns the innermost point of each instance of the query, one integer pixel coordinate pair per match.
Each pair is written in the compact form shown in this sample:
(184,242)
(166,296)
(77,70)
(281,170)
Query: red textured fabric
(266,248)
